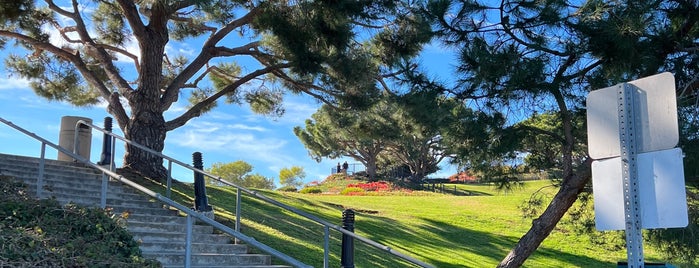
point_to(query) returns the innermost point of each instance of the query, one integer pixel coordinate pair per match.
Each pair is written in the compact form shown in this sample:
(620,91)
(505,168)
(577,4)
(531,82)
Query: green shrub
(288,189)
(311,190)
(353,191)
(42,233)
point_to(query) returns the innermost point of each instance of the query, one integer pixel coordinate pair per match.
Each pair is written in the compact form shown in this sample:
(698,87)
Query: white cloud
(219,138)
(13,83)
(246,127)
(298,110)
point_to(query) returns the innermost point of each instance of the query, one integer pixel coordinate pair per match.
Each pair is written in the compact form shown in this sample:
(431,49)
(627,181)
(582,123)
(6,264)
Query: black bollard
(106,157)
(201,202)
(347,258)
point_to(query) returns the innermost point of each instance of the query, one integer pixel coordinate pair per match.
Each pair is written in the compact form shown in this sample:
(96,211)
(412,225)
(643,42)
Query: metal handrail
(236,233)
(327,225)
(189,212)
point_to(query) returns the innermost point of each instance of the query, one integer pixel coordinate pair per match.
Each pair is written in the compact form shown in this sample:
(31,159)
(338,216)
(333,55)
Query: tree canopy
(120,52)
(520,58)
(292,177)
(238,172)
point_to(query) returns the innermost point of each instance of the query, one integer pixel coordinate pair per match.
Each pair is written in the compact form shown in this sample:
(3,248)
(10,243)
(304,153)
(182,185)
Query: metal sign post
(637,175)
(632,208)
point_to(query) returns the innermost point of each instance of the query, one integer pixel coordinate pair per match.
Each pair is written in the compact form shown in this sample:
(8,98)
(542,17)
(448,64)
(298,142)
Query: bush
(288,189)
(42,233)
(336,177)
(353,191)
(311,190)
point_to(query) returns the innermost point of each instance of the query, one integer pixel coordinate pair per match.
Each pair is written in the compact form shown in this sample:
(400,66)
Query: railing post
(169,178)
(238,200)
(326,247)
(106,157)
(188,242)
(40,180)
(347,260)
(201,204)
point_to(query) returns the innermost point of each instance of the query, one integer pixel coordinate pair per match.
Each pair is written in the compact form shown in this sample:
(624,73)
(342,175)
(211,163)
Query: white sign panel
(661,189)
(656,117)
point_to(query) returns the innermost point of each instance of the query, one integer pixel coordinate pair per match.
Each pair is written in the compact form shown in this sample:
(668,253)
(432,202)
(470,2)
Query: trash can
(66,137)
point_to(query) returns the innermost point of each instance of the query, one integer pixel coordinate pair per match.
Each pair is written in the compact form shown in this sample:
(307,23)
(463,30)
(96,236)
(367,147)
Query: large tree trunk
(542,226)
(147,129)
(371,168)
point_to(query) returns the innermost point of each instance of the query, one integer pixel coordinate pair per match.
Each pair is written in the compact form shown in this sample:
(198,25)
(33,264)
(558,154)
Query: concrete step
(167,247)
(117,206)
(19,160)
(112,193)
(57,175)
(136,226)
(208,260)
(162,219)
(57,171)
(59,168)
(175,237)
(161,232)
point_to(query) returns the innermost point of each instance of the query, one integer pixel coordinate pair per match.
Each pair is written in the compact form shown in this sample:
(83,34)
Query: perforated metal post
(632,209)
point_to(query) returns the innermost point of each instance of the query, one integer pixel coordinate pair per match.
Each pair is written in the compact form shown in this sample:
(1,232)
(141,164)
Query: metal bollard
(347,258)
(201,202)
(106,157)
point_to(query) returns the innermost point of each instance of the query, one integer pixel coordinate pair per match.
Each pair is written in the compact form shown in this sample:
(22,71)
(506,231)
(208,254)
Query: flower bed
(378,186)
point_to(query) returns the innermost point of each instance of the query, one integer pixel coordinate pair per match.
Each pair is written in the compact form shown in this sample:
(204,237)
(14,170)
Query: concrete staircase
(160,231)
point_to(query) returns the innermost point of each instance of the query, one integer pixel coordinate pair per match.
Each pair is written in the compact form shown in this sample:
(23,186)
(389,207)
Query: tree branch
(130,11)
(505,21)
(207,53)
(197,109)
(122,51)
(75,59)
(95,51)
(59,10)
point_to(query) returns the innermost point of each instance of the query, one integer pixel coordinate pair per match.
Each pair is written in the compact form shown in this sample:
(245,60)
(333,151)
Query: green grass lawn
(445,230)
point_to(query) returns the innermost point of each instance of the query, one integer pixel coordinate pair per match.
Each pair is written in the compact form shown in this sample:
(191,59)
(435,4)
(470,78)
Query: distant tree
(418,144)
(117,52)
(258,181)
(292,177)
(238,172)
(523,57)
(542,152)
(359,134)
(427,122)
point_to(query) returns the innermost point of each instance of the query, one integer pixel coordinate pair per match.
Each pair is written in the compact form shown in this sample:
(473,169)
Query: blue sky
(227,134)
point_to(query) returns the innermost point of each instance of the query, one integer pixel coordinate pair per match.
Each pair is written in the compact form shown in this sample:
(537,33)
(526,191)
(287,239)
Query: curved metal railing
(189,212)
(239,190)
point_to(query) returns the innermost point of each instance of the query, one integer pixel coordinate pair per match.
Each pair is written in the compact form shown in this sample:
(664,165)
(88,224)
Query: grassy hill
(475,228)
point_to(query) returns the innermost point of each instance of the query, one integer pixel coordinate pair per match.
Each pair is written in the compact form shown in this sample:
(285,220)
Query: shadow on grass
(303,239)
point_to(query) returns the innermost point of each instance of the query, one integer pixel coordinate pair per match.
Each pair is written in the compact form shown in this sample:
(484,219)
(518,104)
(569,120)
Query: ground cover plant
(42,233)
(466,230)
